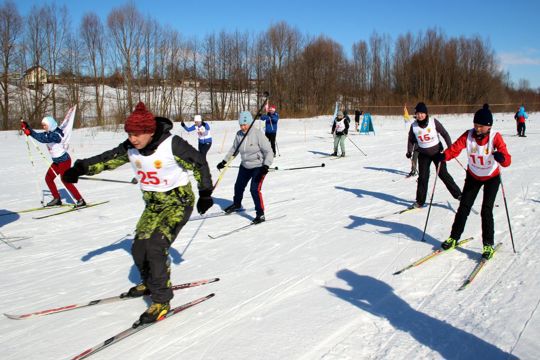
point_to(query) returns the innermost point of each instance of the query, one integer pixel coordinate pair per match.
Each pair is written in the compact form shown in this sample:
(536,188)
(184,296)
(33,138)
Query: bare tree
(55,25)
(125,25)
(33,57)
(10,29)
(93,36)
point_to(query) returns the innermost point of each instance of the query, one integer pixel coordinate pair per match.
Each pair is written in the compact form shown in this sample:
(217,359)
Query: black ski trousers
(424,163)
(203,148)
(272,138)
(470,191)
(521,129)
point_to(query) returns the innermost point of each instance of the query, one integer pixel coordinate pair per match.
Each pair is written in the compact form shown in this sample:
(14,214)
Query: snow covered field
(316,284)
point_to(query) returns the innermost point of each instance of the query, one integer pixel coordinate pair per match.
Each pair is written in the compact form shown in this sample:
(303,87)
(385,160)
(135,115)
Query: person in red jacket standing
(486,153)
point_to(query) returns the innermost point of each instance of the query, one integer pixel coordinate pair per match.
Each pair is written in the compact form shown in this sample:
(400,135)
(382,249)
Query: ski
(242,228)
(431,256)
(108,300)
(479,266)
(36,209)
(136,328)
(71,210)
(399,212)
(223,213)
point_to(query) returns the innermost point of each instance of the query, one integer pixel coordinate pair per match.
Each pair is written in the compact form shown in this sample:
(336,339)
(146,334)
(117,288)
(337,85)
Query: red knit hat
(140,121)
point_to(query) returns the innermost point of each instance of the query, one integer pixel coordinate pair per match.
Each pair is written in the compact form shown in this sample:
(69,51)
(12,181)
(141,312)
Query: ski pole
(40,193)
(266,95)
(303,167)
(133,181)
(460,164)
(277,149)
(356,146)
(431,200)
(507,214)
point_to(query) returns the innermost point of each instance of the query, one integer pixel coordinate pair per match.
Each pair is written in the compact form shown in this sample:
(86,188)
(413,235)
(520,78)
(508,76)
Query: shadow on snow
(378,298)
(125,244)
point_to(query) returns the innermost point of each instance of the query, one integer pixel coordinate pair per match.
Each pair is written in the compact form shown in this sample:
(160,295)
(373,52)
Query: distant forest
(226,72)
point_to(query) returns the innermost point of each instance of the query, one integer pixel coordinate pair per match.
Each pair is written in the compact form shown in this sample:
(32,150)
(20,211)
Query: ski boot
(258,219)
(487,252)
(54,202)
(80,203)
(415,206)
(155,312)
(232,208)
(449,244)
(137,291)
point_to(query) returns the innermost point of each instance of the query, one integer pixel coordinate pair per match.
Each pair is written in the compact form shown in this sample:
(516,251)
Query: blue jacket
(271,121)
(48,137)
(521,112)
(204,135)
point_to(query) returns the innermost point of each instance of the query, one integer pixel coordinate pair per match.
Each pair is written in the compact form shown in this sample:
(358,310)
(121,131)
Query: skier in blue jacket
(203,132)
(271,119)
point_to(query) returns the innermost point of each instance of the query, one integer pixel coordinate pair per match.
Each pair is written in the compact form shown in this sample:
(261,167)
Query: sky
(511,27)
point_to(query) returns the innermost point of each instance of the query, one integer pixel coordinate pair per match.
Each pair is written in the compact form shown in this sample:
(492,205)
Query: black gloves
(408,155)
(72,174)
(221,165)
(264,169)
(499,157)
(439,157)
(183,124)
(205,201)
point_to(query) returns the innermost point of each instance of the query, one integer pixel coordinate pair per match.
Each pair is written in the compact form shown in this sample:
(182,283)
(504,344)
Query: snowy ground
(316,284)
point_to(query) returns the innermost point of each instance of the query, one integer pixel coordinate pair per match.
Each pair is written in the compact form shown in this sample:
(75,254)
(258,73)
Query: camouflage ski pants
(162,219)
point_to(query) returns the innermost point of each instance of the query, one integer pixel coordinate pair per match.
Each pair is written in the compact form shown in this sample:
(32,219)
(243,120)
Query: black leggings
(470,191)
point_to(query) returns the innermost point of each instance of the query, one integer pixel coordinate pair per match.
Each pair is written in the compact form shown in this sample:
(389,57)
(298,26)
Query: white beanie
(51,123)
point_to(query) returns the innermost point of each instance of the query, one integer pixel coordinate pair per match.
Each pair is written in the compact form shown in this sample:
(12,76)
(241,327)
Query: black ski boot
(258,219)
(232,208)
(137,291)
(54,202)
(80,203)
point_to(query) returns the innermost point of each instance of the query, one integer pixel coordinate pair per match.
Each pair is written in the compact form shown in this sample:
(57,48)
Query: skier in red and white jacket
(486,153)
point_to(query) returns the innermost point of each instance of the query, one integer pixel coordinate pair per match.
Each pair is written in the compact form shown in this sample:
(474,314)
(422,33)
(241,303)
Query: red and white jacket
(481,164)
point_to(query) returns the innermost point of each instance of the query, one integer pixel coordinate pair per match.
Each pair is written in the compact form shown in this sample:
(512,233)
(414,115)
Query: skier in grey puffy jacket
(257,156)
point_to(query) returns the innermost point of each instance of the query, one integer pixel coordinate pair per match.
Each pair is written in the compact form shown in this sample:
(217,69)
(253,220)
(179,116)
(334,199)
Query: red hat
(140,121)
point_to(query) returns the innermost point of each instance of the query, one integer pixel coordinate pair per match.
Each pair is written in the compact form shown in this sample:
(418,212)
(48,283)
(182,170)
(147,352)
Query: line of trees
(106,65)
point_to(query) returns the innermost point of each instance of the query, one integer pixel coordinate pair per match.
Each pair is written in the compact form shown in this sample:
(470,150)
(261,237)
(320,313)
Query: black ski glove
(408,155)
(498,156)
(221,165)
(205,201)
(72,174)
(264,169)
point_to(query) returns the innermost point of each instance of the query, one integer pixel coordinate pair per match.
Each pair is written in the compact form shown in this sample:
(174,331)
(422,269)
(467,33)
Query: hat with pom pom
(140,121)
(483,116)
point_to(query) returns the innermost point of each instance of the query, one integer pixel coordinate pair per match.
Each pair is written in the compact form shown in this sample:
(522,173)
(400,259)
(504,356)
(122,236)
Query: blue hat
(51,123)
(245,118)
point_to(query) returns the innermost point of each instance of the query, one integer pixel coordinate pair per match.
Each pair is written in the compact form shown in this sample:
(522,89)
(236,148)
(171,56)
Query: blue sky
(511,27)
